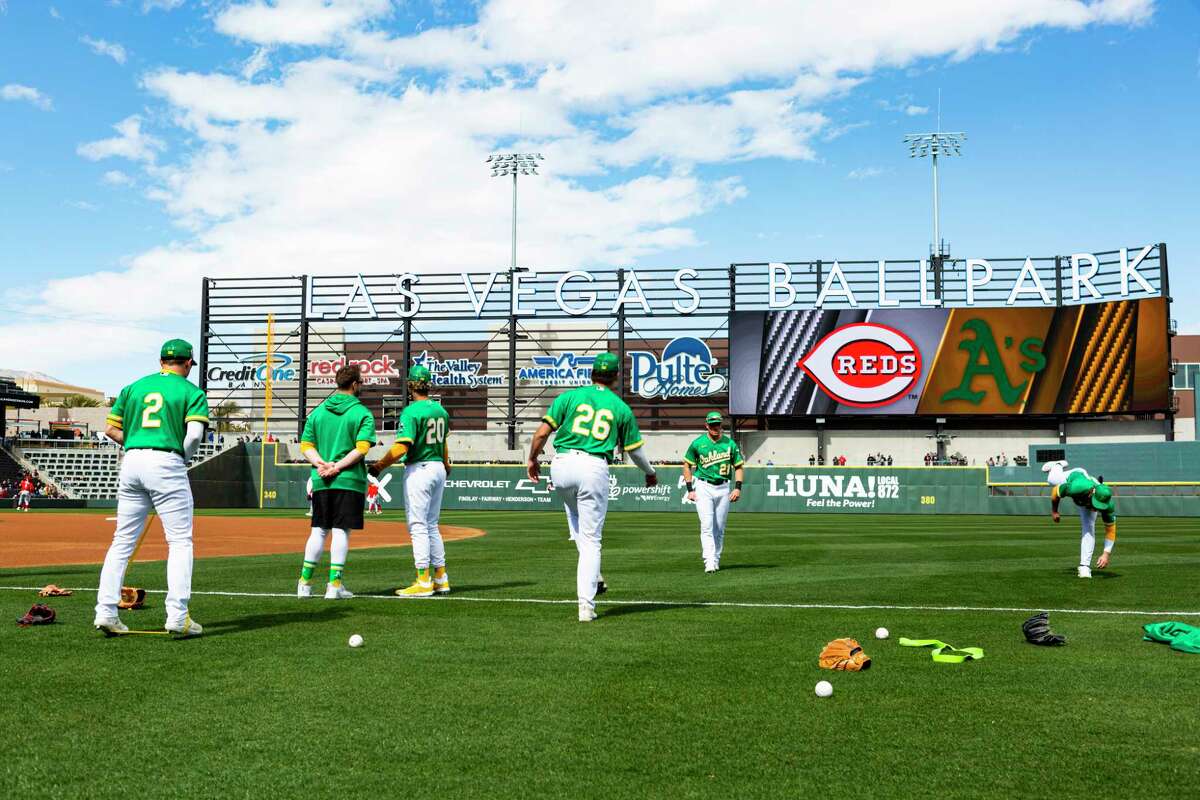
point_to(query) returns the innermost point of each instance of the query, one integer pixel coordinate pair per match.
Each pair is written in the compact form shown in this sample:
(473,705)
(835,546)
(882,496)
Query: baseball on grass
(881,633)
(824,689)
(356,641)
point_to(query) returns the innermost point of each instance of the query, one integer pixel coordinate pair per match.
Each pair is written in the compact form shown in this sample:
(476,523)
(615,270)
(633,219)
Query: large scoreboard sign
(1103,358)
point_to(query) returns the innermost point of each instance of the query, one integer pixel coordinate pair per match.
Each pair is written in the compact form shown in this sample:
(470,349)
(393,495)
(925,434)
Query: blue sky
(331,136)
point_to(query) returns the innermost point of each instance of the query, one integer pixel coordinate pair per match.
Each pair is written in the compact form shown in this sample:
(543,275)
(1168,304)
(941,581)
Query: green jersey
(592,419)
(424,426)
(155,410)
(336,427)
(1078,487)
(713,461)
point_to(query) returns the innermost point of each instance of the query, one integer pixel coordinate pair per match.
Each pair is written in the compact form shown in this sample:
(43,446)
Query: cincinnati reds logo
(863,364)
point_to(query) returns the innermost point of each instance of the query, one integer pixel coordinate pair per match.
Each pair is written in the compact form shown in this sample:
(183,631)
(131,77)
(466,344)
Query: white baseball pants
(424,484)
(712,505)
(581,482)
(1056,476)
(151,479)
(23,500)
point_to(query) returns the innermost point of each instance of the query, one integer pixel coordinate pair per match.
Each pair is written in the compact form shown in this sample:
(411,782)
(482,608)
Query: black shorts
(337,508)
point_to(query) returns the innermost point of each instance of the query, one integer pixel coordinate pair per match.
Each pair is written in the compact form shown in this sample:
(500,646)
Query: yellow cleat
(441,581)
(419,588)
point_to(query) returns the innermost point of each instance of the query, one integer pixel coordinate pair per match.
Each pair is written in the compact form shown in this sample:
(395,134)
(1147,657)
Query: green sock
(423,575)
(306,571)
(335,574)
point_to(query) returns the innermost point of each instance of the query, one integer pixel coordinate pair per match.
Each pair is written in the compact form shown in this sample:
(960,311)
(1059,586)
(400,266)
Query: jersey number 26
(593,423)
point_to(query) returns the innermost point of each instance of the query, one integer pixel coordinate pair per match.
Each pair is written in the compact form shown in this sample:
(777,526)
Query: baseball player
(424,426)
(1092,497)
(25,494)
(308,494)
(588,423)
(336,438)
(160,421)
(712,457)
(373,499)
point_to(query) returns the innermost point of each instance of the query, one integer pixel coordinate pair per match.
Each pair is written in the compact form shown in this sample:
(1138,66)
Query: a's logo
(253,369)
(687,369)
(985,361)
(864,364)
(565,369)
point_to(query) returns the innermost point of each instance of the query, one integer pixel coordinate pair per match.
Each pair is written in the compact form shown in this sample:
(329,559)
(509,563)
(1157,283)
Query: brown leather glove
(131,597)
(844,654)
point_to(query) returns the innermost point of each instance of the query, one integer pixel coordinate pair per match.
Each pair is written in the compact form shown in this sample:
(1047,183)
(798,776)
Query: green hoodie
(334,429)
(1179,635)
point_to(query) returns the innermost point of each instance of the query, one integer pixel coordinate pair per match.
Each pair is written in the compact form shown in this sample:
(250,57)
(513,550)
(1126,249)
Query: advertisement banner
(1104,358)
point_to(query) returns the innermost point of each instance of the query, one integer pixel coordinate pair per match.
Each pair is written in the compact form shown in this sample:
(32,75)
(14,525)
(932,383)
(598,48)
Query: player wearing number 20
(424,426)
(589,423)
(160,420)
(714,458)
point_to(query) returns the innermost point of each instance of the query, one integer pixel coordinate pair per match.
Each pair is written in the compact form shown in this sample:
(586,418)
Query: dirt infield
(38,540)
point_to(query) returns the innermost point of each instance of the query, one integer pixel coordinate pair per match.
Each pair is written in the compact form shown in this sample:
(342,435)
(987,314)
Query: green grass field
(491,694)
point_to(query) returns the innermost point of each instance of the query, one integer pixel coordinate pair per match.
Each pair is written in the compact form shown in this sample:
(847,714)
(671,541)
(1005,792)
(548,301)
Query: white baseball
(824,689)
(881,633)
(356,641)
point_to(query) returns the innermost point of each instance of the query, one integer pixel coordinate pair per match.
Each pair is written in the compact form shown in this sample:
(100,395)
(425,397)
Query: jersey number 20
(154,404)
(435,431)
(593,423)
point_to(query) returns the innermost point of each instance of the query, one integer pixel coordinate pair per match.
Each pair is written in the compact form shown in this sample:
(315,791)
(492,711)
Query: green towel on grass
(1182,637)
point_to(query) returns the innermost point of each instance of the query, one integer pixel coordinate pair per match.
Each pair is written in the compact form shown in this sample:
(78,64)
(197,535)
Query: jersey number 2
(593,423)
(435,431)
(154,404)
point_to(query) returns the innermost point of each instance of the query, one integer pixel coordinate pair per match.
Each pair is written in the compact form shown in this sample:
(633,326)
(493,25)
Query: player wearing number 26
(588,424)
(160,420)
(421,442)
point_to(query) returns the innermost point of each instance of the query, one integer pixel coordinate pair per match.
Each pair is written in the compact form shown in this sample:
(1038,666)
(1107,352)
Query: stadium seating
(89,473)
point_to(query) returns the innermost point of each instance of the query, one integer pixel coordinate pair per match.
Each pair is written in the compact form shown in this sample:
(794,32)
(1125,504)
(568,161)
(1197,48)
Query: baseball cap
(713,418)
(175,348)
(1102,498)
(605,362)
(419,373)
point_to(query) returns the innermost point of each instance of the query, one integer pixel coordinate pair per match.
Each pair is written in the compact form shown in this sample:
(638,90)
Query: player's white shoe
(1085,572)
(333,592)
(586,613)
(110,625)
(189,627)
(303,589)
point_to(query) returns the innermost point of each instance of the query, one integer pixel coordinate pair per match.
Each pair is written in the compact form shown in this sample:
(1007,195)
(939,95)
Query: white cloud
(916,111)
(132,143)
(83,205)
(368,154)
(114,177)
(103,48)
(28,94)
(298,22)
(55,13)
(162,5)
(862,173)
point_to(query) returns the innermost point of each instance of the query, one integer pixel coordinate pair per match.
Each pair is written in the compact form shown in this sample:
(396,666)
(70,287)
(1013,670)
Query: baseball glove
(51,590)
(37,615)
(1037,631)
(844,654)
(131,597)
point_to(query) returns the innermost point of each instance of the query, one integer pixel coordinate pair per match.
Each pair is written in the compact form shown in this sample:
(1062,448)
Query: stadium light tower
(937,144)
(514,164)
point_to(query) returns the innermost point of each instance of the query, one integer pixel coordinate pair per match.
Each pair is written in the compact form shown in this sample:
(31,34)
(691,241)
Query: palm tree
(223,413)
(79,401)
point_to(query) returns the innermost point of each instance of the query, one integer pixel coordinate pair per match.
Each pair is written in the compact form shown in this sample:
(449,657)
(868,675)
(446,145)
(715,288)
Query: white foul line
(691,603)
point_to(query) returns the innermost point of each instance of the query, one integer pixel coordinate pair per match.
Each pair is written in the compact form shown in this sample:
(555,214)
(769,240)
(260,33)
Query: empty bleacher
(88,471)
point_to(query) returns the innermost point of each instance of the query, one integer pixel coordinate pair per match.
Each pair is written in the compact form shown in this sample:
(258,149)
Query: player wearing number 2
(588,424)
(424,426)
(714,458)
(160,420)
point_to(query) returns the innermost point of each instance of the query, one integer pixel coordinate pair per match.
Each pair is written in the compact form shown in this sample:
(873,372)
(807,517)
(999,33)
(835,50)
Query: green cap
(419,373)
(713,418)
(605,363)
(1102,498)
(175,348)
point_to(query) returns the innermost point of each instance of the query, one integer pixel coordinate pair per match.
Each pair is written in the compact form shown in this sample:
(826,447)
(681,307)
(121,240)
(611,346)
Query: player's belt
(605,459)
(712,483)
(157,450)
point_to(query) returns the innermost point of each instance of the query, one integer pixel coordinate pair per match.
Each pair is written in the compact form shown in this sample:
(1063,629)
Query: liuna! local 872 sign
(1104,358)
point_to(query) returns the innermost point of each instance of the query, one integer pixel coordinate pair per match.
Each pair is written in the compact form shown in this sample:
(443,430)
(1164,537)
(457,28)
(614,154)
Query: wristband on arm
(737,485)
(691,486)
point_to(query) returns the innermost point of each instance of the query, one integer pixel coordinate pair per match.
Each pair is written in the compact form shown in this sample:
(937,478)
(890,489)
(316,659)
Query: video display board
(1102,358)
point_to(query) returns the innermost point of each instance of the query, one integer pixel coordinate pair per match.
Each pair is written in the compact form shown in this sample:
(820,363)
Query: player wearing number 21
(160,420)
(713,457)
(588,424)
(424,426)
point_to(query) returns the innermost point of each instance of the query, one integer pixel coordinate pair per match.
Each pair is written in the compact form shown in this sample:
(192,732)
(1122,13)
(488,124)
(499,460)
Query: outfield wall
(234,480)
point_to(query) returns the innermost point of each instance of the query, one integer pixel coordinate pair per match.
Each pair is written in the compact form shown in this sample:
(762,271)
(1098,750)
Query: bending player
(588,424)
(336,438)
(424,426)
(713,456)
(160,421)
(1091,497)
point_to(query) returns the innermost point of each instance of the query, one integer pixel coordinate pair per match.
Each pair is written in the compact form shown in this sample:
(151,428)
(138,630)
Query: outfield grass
(454,698)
